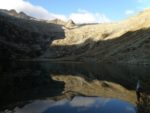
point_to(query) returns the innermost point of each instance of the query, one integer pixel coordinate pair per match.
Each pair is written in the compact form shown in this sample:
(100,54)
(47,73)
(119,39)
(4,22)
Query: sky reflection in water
(78,105)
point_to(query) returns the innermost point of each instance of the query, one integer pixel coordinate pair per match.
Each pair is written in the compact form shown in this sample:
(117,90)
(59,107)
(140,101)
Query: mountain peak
(14,13)
(70,23)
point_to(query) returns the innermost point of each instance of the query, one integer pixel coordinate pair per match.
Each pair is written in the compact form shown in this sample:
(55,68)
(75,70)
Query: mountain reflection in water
(22,82)
(78,105)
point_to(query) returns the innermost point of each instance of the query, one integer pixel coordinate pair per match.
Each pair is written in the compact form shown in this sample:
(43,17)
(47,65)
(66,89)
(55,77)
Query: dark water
(21,82)
(78,105)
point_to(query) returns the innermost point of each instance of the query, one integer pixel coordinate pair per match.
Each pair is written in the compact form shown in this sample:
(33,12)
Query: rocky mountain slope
(21,37)
(127,41)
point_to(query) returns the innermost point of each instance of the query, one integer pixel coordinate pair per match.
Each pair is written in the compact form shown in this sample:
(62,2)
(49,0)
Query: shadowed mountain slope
(24,38)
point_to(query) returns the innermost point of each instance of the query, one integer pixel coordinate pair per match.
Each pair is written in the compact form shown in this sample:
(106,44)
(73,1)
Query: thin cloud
(84,16)
(129,12)
(141,1)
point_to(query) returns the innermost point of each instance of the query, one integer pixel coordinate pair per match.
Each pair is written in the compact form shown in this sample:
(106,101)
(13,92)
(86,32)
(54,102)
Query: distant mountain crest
(70,23)
(57,21)
(14,13)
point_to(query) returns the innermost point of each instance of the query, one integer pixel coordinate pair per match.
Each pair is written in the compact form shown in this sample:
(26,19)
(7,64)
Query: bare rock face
(14,13)
(57,21)
(24,38)
(70,24)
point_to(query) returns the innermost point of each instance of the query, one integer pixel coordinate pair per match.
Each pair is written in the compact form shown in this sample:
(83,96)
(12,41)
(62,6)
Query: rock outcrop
(70,24)
(57,21)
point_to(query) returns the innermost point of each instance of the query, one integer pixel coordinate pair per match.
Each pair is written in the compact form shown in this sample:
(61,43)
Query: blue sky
(78,10)
(113,9)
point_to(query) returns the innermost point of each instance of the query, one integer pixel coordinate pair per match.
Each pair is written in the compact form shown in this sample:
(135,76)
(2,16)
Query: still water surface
(22,82)
(77,105)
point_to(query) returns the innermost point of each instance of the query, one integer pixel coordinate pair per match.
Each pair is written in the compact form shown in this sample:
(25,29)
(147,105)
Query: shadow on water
(26,81)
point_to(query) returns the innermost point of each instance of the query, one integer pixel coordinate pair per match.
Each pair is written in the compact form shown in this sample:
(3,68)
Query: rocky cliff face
(21,37)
